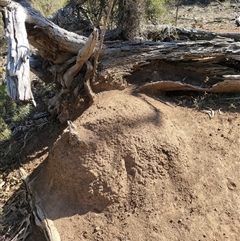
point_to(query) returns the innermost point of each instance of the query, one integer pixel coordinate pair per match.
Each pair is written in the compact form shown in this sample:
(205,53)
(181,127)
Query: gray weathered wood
(54,43)
(83,55)
(17,69)
(202,63)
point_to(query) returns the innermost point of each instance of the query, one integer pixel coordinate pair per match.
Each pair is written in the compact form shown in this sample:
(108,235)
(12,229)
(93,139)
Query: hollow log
(201,63)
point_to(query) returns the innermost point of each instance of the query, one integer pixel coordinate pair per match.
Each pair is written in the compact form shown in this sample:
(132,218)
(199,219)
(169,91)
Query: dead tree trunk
(199,60)
(17,70)
(67,51)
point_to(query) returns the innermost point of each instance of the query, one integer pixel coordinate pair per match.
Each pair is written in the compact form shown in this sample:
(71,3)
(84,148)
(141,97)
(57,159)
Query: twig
(232,98)
(219,2)
(176,16)
(106,20)
(209,112)
(24,144)
(219,111)
(23,230)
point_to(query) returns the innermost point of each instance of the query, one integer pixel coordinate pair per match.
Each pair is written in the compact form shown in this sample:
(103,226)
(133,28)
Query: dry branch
(83,55)
(106,20)
(50,231)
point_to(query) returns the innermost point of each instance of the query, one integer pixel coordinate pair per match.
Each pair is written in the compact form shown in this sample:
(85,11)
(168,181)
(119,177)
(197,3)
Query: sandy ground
(146,171)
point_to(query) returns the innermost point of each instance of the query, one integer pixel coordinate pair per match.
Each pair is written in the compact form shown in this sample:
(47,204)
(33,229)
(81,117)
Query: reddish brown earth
(144,167)
(147,171)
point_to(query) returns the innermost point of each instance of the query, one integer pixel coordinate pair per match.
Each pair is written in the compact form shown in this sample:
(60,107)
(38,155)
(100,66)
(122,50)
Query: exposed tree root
(66,74)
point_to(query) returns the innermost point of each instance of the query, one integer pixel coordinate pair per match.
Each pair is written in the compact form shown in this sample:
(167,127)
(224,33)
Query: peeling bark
(54,44)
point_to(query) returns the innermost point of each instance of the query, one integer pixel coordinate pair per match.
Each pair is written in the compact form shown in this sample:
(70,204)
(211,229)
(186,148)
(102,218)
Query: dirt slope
(144,170)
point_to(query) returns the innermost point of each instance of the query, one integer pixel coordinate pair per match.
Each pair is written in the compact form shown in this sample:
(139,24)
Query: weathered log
(54,43)
(194,34)
(210,59)
(42,221)
(200,63)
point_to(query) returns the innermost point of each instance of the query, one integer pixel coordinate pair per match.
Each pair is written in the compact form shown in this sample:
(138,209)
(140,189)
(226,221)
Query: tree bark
(53,43)
(200,63)
(129,19)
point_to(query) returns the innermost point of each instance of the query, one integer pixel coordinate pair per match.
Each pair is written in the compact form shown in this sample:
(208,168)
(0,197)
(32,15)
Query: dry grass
(48,7)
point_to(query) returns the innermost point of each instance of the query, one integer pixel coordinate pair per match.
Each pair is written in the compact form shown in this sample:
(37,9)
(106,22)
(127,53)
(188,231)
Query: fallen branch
(50,231)
(106,20)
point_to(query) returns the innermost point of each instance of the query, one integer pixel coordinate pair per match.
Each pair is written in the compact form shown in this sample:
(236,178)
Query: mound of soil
(143,170)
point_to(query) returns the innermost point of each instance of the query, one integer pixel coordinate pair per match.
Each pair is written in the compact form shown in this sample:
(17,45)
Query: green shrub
(4,109)
(155,9)
(10,112)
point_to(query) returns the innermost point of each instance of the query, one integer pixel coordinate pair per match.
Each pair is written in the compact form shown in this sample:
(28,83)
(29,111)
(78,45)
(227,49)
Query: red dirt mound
(139,169)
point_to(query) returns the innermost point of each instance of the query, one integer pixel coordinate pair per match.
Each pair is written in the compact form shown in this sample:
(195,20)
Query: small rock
(237,21)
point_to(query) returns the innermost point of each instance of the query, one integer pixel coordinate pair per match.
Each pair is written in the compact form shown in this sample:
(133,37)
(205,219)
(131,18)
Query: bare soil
(144,167)
(148,171)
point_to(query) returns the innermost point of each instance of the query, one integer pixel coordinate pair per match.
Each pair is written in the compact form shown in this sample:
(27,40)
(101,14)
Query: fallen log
(201,63)
(197,58)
